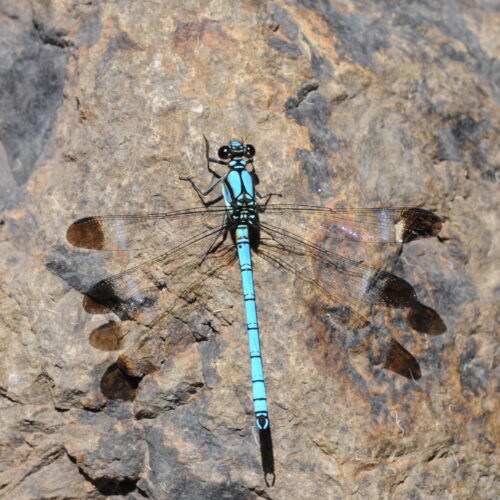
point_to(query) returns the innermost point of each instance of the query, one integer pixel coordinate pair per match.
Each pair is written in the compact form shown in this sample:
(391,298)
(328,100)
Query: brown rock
(103,106)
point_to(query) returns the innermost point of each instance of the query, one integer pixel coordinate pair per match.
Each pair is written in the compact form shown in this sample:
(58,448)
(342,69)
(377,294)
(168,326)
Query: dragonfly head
(236,149)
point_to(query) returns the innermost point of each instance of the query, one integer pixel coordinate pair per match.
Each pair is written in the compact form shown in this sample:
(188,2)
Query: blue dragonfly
(299,239)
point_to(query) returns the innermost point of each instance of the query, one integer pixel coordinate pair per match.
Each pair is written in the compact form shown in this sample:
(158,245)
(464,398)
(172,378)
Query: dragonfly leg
(268,196)
(202,193)
(212,160)
(213,246)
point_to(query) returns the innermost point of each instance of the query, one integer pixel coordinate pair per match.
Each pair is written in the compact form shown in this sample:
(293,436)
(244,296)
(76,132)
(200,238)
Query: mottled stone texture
(349,103)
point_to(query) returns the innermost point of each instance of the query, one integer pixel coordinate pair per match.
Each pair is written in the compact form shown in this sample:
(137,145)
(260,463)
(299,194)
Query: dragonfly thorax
(238,163)
(239,194)
(238,188)
(243,213)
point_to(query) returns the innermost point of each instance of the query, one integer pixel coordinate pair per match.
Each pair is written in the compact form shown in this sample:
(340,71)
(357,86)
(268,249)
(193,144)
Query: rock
(103,106)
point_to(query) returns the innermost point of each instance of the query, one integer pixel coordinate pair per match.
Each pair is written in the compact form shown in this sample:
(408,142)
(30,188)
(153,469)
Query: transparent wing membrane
(130,232)
(352,285)
(302,240)
(142,287)
(382,225)
(153,294)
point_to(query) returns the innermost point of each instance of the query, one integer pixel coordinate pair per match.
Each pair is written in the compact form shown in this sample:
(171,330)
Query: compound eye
(250,150)
(223,153)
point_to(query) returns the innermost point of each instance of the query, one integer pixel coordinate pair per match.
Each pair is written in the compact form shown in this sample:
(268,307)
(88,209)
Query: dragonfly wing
(140,288)
(132,232)
(353,287)
(153,293)
(156,295)
(350,288)
(374,225)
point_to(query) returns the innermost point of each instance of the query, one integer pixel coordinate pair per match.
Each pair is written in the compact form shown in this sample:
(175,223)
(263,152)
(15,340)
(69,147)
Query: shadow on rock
(267,455)
(423,319)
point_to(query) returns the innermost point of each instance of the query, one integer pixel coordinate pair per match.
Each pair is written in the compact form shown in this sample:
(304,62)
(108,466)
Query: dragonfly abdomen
(257,371)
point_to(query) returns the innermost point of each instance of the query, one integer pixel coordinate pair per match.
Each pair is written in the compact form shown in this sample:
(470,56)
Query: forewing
(133,232)
(375,225)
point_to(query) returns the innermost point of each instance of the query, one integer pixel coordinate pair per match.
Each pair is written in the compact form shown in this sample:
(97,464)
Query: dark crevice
(92,409)
(113,486)
(302,94)
(51,37)
(3,394)
(212,328)
(109,485)
(61,410)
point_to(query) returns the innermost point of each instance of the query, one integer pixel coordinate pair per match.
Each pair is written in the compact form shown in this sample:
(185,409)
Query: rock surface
(349,103)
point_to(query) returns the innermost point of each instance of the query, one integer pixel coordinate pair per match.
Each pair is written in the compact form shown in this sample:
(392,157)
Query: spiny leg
(202,193)
(213,246)
(220,178)
(212,160)
(268,196)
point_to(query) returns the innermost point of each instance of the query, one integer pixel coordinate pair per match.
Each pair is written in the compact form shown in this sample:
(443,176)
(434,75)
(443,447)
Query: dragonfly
(303,240)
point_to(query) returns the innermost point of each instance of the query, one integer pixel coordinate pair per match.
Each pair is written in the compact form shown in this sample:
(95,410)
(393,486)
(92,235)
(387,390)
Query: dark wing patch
(86,233)
(418,223)
(133,232)
(392,291)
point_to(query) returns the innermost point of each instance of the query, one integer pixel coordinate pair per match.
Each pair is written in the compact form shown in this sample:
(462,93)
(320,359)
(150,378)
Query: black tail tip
(262,422)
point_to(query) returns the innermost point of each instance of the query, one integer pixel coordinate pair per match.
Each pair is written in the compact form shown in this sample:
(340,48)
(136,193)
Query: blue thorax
(238,163)
(239,193)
